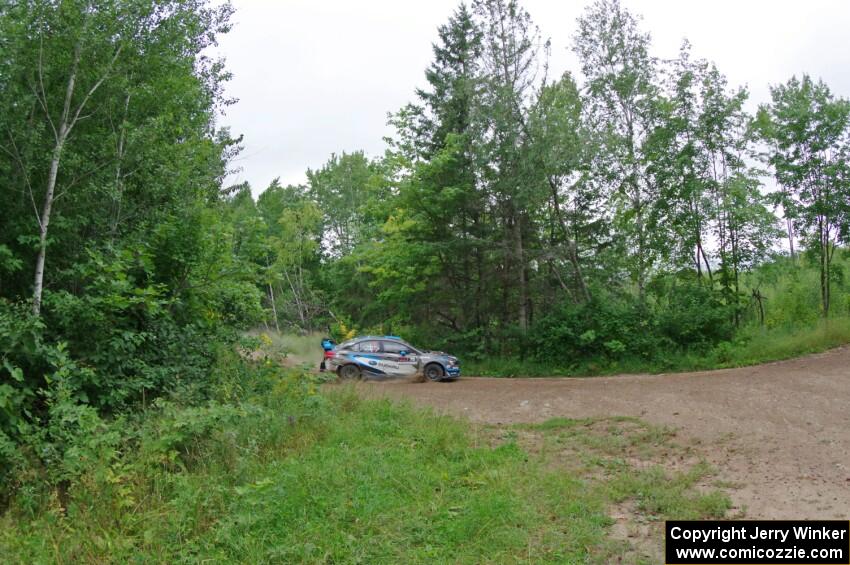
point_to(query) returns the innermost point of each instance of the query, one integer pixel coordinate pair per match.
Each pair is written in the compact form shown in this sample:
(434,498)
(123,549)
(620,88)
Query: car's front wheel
(434,372)
(349,371)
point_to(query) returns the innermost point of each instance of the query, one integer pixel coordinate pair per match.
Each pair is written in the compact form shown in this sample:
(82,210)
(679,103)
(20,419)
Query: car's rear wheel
(349,371)
(434,372)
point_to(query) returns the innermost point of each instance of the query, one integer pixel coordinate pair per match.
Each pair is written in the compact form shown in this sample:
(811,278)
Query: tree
(510,74)
(807,128)
(342,186)
(69,65)
(297,248)
(453,83)
(709,201)
(435,228)
(112,218)
(252,238)
(678,162)
(743,226)
(621,105)
(559,152)
(97,35)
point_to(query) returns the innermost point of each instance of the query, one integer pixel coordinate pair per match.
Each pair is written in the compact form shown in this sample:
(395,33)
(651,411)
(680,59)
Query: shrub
(113,345)
(606,327)
(695,316)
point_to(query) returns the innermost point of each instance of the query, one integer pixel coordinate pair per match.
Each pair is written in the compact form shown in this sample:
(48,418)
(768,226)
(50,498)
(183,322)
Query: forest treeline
(620,212)
(628,211)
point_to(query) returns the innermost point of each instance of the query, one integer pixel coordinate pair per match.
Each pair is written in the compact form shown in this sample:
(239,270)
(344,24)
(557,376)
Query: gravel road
(780,432)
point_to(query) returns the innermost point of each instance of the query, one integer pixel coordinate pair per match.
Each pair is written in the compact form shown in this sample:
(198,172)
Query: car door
(399,359)
(369,356)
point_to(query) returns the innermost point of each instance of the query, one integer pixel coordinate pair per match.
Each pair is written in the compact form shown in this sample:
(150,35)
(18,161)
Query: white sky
(318,77)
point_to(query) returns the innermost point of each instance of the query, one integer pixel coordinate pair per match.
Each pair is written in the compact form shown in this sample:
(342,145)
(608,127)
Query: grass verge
(641,472)
(338,479)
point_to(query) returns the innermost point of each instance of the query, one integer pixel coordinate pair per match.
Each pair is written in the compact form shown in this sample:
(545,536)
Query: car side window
(370,346)
(394,347)
(398,347)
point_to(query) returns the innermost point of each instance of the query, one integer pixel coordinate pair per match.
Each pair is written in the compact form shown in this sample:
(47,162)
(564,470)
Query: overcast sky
(314,77)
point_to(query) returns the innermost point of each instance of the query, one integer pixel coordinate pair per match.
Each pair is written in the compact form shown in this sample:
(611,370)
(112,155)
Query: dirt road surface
(779,432)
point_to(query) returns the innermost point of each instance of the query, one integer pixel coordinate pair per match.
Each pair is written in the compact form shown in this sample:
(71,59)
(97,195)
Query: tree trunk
(119,180)
(637,206)
(823,232)
(757,296)
(733,232)
(701,251)
(790,226)
(38,284)
(641,246)
(295,297)
(698,264)
(571,244)
(66,123)
(60,136)
(523,287)
(274,307)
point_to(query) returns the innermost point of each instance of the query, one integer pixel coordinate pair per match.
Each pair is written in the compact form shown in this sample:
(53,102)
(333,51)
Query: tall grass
(760,345)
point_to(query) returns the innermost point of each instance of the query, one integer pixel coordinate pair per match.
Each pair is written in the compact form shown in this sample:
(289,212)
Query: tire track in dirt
(779,432)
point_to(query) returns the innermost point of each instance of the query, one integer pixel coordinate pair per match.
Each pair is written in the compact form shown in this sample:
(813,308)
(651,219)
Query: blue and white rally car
(390,356)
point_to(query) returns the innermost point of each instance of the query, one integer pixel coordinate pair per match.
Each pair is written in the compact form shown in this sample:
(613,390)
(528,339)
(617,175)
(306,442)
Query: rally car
(389,356)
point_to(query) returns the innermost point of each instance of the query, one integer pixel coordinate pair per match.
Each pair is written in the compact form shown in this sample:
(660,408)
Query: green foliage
(693,315)
(687,326)
(686,315)
(141,283)
(46,420)
(22,354)
(344,187)
(603,329)
(622,224)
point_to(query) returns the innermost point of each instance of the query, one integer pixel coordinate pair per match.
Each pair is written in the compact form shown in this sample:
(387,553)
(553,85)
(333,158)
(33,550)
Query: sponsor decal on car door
(395,363)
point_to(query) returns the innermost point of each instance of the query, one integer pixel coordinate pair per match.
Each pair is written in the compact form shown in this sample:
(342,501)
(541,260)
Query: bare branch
(90,172)
(43,98)
(94,87)
(64,128)
(17,157)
